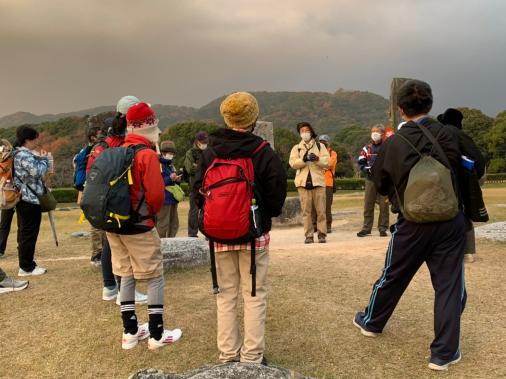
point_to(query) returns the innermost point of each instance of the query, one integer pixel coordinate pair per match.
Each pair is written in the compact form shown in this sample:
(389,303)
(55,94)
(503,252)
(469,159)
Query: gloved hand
(313,157)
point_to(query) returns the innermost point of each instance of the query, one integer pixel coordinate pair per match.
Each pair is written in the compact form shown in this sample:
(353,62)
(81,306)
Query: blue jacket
(167,170)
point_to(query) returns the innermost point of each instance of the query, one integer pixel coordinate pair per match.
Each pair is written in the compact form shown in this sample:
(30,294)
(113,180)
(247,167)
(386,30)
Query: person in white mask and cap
(310,158)
(365,162)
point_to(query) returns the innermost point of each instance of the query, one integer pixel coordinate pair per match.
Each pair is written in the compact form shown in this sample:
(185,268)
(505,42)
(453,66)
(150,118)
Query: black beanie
(24,133)
(451,116)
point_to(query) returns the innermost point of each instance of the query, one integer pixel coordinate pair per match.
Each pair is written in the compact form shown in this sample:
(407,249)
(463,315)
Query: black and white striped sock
(129,318)
(155,313)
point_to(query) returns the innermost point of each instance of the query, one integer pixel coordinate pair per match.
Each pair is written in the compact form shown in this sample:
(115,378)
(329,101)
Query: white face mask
(376,137)
(202,146)
(168,156)
(306,136)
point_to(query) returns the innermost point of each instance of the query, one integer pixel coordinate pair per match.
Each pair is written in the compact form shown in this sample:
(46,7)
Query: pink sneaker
(129,341)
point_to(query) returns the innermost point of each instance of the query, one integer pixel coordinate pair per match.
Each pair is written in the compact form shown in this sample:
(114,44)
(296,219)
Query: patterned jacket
(29,170)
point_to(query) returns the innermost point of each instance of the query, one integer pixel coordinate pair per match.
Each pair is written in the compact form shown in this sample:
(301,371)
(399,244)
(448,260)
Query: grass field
(59,327)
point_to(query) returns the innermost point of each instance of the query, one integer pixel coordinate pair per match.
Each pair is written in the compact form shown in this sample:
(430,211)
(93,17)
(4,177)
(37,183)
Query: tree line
(65,137)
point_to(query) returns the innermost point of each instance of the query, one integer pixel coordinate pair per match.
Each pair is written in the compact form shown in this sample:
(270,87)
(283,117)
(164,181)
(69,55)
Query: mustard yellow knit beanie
(239,110)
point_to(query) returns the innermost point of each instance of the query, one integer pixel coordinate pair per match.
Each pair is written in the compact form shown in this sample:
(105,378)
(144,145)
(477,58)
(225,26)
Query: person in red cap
(135,250)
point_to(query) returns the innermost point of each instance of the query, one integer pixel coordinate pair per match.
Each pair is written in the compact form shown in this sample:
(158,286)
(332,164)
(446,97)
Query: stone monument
(265,129)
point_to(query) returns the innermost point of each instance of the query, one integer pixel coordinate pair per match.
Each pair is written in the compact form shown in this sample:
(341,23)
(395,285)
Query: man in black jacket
(240,112)
(453,119)
(439,244)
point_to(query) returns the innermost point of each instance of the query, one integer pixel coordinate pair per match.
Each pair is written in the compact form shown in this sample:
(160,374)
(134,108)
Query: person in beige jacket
(310,159)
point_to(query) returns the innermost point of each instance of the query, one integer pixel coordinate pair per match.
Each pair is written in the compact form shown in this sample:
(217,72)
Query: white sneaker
(140,298)
(108,295)
(469,258)
(36,271)
(129,341)
(168,337)
(12,285)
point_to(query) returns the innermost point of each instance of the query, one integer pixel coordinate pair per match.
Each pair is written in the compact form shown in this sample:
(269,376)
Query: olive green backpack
(429,194)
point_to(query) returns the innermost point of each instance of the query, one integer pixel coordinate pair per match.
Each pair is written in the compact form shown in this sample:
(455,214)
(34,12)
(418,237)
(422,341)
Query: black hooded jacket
(396,157)
(270,176)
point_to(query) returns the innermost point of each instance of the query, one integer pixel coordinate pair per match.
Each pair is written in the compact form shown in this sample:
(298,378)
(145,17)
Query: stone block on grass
(229,370)
(184,252)
(291,213)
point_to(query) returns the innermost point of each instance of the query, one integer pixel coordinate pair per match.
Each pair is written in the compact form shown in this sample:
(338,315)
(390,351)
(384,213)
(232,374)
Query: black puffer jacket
(396,157)
(270,176)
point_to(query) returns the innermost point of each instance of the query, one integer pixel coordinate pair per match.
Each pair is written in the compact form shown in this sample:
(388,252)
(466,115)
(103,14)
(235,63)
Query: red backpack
(230,214)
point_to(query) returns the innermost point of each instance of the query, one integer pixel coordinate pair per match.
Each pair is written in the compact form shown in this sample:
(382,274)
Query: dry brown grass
(60,328)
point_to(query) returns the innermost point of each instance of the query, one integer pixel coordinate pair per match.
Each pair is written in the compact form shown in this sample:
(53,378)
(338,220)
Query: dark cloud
(62,56)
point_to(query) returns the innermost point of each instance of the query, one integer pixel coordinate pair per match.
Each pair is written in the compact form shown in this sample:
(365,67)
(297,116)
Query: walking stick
(53,226)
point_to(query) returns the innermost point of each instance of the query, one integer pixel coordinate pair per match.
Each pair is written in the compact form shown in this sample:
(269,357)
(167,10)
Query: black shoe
(358,323)
(442,365)
(2,254)
(383,234)
(264,361)
(309,240)
(363,233)
(321,238)
(329,230)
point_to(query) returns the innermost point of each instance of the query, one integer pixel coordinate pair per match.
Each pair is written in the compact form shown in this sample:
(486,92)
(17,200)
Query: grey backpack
(429,194)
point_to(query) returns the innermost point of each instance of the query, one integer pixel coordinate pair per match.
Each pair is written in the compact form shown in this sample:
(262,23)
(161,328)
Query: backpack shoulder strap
(409,143)
(436,144)
(259,147)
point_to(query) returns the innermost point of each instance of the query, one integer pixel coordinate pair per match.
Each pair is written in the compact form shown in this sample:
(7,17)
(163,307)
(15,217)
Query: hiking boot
(441,365)
(129,341)
(264,362)
(383,233)
(363,233)
(109,294)
(12,285)
(35,272)
(2,254)
(140,298)
(168,337)
(469,258)
(321,238)
(363,330)
(309,240)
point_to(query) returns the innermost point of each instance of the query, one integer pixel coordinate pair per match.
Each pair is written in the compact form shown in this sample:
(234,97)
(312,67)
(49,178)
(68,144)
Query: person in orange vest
(328,173)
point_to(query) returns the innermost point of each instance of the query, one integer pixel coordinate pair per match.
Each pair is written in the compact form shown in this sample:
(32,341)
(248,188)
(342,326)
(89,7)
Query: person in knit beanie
(240,112)
(142,120)
(135,248)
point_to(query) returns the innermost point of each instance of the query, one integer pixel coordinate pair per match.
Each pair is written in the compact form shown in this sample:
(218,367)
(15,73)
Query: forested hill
(329,112)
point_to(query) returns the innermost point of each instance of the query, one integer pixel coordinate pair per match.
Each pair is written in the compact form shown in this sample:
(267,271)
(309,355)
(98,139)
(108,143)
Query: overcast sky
(65,55)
